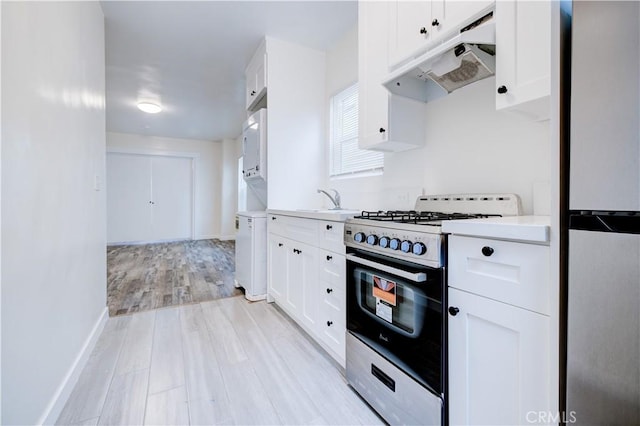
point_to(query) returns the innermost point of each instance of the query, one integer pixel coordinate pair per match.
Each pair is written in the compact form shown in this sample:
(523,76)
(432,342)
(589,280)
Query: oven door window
(394,304)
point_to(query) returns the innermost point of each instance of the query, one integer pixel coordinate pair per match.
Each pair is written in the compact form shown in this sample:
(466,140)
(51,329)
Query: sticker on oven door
(384,290)
(384,310)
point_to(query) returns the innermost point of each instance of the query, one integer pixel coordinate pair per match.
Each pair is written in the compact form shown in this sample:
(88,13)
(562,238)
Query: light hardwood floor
(226,361)
(150,276)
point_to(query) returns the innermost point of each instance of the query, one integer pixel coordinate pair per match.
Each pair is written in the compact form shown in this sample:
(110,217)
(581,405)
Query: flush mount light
(149,107)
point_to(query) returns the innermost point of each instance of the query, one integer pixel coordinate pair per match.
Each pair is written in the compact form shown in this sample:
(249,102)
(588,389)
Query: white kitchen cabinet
(409,28)
(416,26)
(523,57)
(306,272)
(385,122)
(498,362)
(499,325)
(256,79)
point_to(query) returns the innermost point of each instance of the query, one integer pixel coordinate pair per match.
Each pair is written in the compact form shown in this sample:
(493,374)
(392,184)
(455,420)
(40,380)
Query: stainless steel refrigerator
(603,291)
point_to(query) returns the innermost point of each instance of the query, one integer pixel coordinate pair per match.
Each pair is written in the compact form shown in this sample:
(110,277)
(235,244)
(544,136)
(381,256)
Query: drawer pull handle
(329,227)
(329,290)
(453,311)
(487,251)
(329,323)
(329,258)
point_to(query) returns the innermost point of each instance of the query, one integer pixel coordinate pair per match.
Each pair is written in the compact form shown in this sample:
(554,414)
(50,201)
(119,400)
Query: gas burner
(418,217)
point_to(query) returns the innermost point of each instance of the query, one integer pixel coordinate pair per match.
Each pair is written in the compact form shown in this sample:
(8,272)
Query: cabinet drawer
(331,278)
(333,330)
(513,273)
(294,228)
(331,236)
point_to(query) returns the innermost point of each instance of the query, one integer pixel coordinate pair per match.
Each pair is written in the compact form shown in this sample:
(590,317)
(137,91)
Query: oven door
(395,308)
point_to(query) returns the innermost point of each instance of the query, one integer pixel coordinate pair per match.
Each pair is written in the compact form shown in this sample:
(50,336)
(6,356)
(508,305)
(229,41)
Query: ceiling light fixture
(150,108)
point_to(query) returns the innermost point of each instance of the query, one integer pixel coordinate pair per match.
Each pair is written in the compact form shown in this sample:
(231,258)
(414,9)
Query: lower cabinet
(308,282)
(498,361)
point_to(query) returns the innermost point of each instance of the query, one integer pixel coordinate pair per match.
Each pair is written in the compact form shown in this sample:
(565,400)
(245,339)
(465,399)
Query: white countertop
(521,228)
(319,214)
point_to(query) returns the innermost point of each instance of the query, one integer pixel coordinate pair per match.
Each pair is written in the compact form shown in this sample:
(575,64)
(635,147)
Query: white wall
(469,147)
(53,221)
(208,178)
(296,118)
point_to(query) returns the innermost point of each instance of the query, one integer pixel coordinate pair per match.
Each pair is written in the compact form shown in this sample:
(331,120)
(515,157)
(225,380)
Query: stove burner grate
(416,217)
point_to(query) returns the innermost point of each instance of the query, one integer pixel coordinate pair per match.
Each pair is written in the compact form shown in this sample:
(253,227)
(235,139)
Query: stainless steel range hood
(458,61)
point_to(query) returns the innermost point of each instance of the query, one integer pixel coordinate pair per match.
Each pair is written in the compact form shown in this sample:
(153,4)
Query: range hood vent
(465,58)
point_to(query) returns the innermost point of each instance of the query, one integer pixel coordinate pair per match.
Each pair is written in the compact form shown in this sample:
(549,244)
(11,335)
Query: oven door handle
(419,277)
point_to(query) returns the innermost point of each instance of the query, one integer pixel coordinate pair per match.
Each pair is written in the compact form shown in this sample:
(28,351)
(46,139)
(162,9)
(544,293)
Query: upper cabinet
(386,122)
(256,76)
(523,55)
(415,26)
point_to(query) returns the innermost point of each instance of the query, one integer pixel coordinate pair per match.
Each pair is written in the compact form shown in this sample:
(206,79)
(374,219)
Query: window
(345,156)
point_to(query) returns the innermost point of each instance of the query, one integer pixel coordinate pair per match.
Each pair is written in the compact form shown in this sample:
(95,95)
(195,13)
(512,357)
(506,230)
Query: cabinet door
(372,50)
(277,267)
(448,16)
(261,74)
(523,40)
(409,29)
(498,362)
(307,271)
(251,86)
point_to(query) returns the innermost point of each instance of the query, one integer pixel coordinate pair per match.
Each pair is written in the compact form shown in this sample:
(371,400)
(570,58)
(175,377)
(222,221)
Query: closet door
(149,198)
(172,194)
(128,198)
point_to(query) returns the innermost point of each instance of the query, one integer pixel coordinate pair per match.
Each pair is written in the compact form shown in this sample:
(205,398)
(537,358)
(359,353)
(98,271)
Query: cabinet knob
(423,30)
(382,130)
(273,218)
(502,90)
(435,23)
(487,251)
(329,257)
(279,244)
(329,290)
(253,93)
(453,311)
(329,323)
(329,227)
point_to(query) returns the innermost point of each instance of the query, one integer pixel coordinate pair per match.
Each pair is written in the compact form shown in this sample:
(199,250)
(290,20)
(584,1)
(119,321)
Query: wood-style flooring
(227,361)
(150,276)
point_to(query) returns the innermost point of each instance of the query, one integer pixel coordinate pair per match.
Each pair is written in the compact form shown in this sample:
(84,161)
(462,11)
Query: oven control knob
(359,237)
(394,244)
(406,245)
(372,239)
(384,242)
(419,249)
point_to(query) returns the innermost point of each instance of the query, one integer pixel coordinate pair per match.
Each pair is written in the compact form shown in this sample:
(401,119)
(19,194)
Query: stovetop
(416,235)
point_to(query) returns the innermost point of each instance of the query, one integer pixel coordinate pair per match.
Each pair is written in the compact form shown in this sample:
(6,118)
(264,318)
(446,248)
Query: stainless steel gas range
(396,303)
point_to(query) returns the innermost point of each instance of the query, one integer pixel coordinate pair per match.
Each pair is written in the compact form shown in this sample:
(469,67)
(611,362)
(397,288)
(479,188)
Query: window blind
(346,157)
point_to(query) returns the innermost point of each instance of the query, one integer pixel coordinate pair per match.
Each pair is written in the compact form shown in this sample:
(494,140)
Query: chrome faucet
(335,199)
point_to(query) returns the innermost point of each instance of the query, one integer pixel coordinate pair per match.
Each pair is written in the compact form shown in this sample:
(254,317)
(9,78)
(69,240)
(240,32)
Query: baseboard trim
(53,410)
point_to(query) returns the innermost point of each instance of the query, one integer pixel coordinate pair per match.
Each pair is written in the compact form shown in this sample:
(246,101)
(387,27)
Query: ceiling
(191,56)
